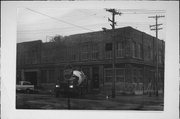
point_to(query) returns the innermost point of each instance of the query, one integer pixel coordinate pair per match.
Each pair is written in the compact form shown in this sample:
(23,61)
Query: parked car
(25,86)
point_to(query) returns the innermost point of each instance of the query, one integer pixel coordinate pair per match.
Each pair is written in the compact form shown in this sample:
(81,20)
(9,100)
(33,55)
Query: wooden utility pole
(156,28)
(114,12)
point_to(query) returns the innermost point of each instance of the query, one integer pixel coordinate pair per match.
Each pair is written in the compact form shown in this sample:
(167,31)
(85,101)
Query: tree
(58,38)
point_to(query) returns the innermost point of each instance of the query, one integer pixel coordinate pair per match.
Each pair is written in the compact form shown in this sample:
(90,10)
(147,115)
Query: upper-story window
(120,49)
(150,53)
(134,53)
(84,52)
(95,52)
(73,55)
(137,50)
(160,54)
(108,50)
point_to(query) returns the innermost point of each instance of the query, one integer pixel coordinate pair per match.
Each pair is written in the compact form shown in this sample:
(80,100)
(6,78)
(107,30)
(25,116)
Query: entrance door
(31,77)
(95,77)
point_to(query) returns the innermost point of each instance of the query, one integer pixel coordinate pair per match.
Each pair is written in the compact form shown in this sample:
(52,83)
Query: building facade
(135,60)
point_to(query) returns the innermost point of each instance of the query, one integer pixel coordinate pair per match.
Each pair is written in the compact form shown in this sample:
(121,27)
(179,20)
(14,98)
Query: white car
(25,86)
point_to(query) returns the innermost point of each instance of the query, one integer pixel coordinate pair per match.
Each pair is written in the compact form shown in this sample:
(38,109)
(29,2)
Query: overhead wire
(136,24)
(93,15)
(58,19)
(63,28)
(40,31)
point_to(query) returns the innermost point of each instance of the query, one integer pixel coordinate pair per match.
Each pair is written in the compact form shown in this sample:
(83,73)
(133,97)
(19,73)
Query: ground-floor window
(137,75)
(120,74)
(47,76)
(108,75)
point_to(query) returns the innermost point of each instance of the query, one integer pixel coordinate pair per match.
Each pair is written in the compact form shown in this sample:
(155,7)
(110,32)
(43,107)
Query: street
(89,102)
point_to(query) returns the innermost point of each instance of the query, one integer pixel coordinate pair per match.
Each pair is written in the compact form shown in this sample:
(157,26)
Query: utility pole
(156,28)
(114,12)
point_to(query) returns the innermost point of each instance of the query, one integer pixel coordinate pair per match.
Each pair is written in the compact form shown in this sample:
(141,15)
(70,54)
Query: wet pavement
(89,102)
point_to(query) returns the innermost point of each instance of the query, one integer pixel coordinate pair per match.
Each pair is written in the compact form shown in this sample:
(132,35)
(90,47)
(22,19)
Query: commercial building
(135,60)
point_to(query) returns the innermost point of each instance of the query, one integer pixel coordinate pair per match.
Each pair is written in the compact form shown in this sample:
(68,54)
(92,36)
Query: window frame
(120,50)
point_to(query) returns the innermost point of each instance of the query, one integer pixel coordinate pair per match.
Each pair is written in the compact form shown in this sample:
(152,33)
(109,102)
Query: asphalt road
(89,102)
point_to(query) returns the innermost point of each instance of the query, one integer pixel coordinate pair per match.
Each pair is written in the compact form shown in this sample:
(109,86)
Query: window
(108,47)
(108,75)
(160,54)
(95,52)
(139,51)
(150,53)
(73,54)
(47,76)
(133,49)
(84,52)
(137,75)
(120,49)
(108,50)
(120,75)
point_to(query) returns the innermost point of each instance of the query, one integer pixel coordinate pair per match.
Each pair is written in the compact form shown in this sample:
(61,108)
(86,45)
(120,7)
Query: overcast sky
(41,24)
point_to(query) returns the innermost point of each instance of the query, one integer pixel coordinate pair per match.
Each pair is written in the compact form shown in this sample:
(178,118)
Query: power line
(140,11)
(56,29)
(59,19)
(138,24)
(93,15)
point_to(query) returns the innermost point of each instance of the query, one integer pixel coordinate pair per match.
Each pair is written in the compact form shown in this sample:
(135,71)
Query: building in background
(135,62)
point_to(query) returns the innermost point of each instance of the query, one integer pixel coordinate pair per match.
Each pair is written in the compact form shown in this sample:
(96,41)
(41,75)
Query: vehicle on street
(73,84)
(24,86)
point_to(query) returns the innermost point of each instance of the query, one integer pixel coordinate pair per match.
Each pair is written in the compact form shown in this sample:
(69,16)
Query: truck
(73,84)
(24,86)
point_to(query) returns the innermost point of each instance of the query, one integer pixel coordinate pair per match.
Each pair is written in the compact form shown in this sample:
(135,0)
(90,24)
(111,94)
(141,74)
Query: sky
(42,24)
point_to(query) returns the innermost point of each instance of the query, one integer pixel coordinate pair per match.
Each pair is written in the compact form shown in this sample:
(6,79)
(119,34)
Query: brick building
(135,62)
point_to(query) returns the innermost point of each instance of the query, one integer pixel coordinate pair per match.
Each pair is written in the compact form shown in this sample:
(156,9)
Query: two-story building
(135,60)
